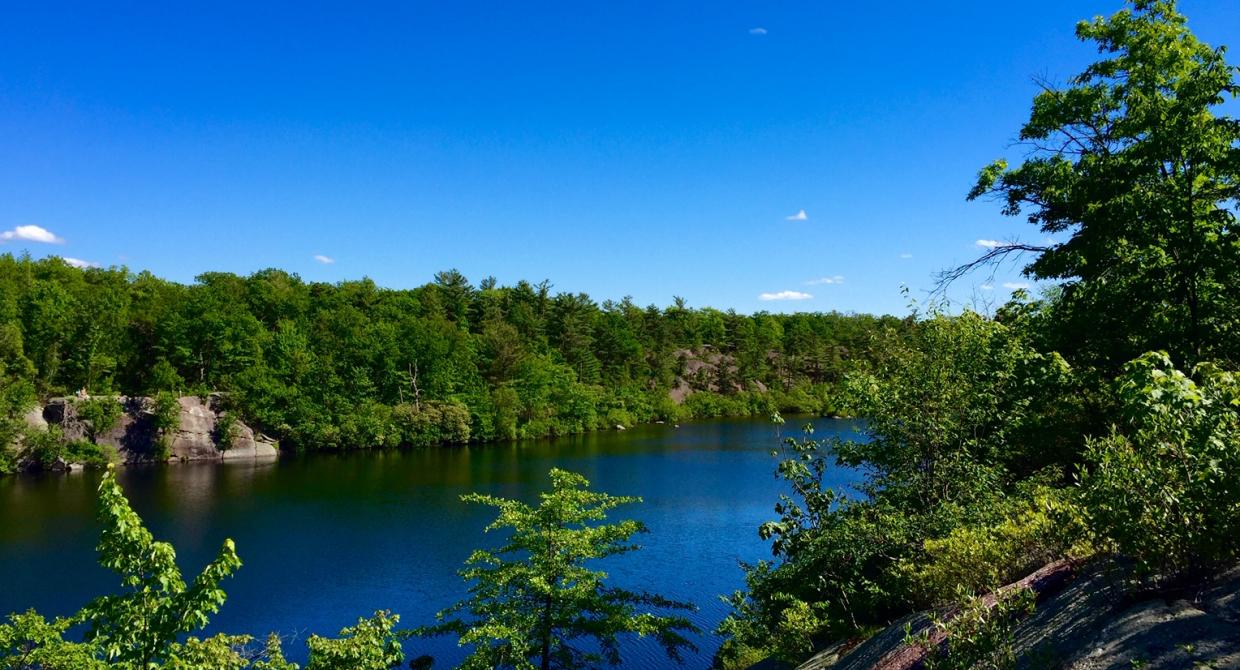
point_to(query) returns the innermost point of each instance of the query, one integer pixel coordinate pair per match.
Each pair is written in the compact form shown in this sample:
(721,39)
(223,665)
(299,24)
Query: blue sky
(643,149)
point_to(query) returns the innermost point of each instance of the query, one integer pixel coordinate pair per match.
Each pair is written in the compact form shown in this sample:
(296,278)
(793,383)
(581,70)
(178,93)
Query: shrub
(432,423)
(166,418)
(225,432)
(370,645)
(101,414)
(980,636)
(41,448)
(88,454)
(981,558)
(1164,487)
(369,424)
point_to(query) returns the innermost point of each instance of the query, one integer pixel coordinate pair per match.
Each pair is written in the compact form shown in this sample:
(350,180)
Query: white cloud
(79,263)
(1013,285)
(325,260)
(799,216)
(757,31)
(987,287)
(31,234)
(837,279)
(988,244)
(785,295)
(906,255)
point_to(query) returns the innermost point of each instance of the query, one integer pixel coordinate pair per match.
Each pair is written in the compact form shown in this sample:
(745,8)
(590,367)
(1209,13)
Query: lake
(326,538)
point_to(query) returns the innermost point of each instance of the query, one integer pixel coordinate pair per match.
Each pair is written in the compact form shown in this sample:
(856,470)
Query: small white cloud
(785,295)
(1013,285)
(987,287)
(988,244)
(906,255)
(31,234)
(325,260)
(79,263)
(837,279)
(757,31)
(799,216)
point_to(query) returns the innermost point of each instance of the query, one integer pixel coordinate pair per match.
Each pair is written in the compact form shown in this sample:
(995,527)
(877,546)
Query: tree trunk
(546,640)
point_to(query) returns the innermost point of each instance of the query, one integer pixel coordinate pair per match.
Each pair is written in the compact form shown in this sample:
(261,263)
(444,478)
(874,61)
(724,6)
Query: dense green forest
(349,365)
(1098,422)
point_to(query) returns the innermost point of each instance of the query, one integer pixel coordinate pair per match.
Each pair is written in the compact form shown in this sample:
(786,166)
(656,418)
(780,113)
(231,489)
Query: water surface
(326,538)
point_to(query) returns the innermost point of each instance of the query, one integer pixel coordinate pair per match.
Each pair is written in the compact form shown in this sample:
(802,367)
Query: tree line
(352,365)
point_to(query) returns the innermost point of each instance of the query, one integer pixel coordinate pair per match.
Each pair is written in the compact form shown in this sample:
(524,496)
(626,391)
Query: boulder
(195,438)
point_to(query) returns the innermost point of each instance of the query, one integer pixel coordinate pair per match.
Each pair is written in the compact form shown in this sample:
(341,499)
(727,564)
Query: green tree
(534,599)
(16,391)
(139,626)
(1134,177)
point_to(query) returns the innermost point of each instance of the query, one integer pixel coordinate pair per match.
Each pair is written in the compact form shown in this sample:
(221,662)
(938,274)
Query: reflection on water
(326,538)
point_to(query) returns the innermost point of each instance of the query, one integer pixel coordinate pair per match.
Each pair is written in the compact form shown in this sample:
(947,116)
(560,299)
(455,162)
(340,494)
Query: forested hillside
(355,365)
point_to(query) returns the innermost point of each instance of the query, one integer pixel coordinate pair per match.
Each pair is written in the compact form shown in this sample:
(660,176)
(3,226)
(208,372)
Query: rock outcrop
(707,370)
(135,438)
(1084,621)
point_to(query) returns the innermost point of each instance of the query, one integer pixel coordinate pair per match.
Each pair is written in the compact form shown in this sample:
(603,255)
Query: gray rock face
(1089,624)
(135,438)
(34,418)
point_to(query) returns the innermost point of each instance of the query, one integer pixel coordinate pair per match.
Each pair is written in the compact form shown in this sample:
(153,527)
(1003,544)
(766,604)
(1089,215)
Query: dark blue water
(327,538)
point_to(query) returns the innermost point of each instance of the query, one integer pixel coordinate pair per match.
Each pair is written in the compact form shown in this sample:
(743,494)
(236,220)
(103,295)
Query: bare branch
(991,258)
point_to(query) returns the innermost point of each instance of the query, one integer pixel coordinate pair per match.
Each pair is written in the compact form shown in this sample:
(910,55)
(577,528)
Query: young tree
(140,625)
(1136,180)
(534,600)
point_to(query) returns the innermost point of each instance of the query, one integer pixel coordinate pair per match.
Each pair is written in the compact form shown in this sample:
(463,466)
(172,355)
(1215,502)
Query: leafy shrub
(89,454)
(431,422)
(979,637)
(980,558)
(838,557)
(30,641)
(166,419)
(369,424)
(225,432)
(1164,487)
(41,448)
(100,413)
(370,645)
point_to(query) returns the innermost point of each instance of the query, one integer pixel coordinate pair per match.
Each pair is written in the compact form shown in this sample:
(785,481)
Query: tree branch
(994,256)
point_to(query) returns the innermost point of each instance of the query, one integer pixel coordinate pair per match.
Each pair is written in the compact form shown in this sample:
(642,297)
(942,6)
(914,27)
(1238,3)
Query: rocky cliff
(135,438)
